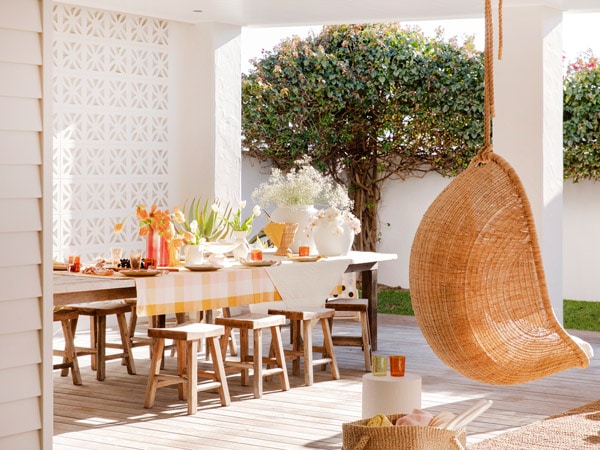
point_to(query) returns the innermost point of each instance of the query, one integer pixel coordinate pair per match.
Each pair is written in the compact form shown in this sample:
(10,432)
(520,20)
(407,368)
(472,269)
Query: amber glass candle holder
(397,365)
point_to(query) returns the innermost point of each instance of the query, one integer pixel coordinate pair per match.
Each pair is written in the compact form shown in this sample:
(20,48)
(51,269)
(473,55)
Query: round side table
(390,395)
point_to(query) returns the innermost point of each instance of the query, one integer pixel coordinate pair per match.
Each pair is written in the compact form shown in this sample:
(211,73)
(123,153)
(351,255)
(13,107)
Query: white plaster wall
(402,207)
(581,240)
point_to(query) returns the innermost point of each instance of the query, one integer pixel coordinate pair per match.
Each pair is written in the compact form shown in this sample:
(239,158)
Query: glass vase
(157,249)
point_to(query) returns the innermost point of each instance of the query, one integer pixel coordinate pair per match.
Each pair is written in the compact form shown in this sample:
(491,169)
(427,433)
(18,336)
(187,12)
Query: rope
(488,77)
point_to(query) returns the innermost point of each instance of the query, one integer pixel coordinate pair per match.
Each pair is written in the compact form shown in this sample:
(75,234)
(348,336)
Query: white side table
(390,395)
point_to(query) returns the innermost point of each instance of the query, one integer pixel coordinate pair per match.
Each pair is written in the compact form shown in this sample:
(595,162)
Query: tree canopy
(368,103)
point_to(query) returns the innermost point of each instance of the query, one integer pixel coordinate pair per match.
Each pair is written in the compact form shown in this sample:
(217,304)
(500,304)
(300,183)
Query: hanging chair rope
(477,282)
(488,77)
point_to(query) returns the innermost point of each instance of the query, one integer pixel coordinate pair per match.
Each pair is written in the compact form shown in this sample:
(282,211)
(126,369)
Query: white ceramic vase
(194,255)
(328,240)
(300,215)
(242,250)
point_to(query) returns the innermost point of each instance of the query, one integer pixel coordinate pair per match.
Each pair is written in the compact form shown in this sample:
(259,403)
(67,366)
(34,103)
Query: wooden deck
(109,414)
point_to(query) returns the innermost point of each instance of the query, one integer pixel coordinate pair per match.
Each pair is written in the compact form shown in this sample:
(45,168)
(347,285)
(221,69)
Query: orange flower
(154,219)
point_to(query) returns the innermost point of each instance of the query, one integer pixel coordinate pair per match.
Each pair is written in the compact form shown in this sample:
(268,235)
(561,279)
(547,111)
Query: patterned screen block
(110,126)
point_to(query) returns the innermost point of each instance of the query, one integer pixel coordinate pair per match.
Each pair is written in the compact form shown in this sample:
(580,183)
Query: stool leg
(220,375)
(192,376)
(366,338)
(93,343)
(296,345)
(182,368)
(70,353)
(245,376)
(157,356)
(126,343)
(328,344)
(230,337)
(100,326)
(308,355)
(65,370)
(257,363)
(277,349)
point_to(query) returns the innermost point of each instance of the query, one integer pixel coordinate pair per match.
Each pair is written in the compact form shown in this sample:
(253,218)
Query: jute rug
(575,429)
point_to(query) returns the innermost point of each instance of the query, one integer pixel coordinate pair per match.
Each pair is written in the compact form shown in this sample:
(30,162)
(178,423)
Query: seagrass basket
(358,436)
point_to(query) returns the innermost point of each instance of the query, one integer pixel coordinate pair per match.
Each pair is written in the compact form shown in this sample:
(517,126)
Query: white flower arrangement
(302,186)
(334,219)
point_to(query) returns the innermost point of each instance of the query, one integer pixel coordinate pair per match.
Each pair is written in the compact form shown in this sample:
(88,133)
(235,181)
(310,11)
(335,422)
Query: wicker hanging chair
(477,283)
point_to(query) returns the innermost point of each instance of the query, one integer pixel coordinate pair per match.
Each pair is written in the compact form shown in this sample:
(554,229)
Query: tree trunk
(366,194)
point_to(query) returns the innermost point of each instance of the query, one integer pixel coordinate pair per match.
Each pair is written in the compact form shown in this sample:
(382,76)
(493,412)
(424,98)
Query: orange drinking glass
(74,264)
(256,254)
(303,250)
(397,364)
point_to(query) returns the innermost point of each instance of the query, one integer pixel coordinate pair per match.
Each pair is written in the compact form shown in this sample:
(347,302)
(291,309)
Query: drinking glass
(380,365)
(397,364)
(135,259)
(115,255)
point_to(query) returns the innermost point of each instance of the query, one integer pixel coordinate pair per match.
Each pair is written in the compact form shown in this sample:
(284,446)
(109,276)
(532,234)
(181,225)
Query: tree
(368,103)
(582,119)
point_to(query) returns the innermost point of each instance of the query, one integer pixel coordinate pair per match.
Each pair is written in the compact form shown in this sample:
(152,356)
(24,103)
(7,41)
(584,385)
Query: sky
(580,33)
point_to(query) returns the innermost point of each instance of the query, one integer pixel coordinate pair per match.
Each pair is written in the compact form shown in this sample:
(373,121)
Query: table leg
(369,291)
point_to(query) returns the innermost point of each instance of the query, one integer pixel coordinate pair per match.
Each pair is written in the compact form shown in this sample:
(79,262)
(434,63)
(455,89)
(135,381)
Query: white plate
(263,263)
(204,267)
(304,258)
(140,273)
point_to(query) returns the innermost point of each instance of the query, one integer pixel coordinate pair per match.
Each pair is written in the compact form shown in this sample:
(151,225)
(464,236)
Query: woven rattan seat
(477,283)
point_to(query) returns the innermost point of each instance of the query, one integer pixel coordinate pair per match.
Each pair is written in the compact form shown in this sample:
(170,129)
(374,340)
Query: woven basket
(281,235)
(477,284)
(358,436)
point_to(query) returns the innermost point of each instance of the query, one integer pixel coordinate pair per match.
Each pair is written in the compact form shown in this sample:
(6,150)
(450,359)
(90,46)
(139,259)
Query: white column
(205,112)
(528,124)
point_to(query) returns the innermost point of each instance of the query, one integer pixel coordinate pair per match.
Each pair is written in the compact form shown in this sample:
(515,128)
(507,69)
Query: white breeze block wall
(110,126)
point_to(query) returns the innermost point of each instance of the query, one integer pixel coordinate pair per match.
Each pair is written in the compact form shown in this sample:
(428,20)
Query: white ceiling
(266,13)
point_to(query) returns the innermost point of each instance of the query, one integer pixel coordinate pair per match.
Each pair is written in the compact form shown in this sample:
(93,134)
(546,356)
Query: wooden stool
(275,364)
(187,337)
(97,311)
(303,321)
(355,305)
(66,317)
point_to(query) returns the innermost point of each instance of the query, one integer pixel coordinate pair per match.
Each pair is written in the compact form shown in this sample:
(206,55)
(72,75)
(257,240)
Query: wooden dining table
(234,286)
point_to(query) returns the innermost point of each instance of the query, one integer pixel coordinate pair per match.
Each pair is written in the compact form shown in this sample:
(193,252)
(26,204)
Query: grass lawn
(577,315)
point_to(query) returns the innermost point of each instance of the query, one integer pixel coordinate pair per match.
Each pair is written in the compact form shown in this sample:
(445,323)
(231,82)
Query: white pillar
(205,125)
(528,124)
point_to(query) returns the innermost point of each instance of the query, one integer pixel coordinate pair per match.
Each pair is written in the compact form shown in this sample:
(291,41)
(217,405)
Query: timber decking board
(110,414)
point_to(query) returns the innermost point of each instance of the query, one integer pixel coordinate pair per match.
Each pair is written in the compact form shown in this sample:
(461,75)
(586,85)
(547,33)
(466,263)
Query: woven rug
(575,429)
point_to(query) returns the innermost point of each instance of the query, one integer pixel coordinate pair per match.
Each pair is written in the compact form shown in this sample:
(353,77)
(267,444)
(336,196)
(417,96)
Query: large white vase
(330,242)
(300,215)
